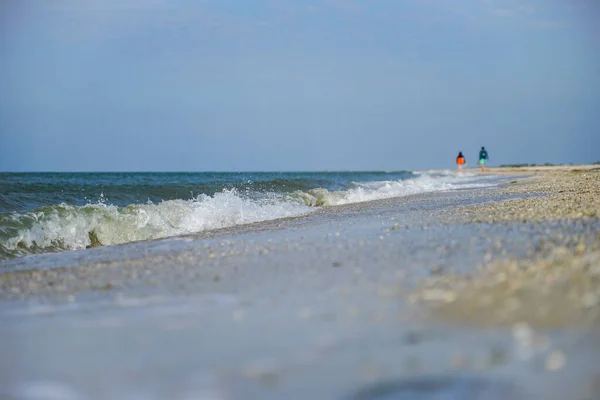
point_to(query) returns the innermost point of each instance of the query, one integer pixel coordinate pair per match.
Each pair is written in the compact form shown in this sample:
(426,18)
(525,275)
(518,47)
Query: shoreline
(402,290)
(198,217)
(568,193)
(527,200)
(556,284)
(11,264)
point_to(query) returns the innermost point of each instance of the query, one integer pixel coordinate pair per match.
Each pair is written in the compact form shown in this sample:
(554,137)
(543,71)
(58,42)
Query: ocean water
(49,212)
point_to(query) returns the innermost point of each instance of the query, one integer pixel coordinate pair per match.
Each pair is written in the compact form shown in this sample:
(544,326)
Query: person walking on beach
(483,157)
(460,160)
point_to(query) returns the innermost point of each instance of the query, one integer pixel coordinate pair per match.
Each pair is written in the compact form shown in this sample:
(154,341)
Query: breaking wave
(70,227)
(376,190)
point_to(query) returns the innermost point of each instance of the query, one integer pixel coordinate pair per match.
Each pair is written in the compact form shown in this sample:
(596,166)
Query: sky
(288,85)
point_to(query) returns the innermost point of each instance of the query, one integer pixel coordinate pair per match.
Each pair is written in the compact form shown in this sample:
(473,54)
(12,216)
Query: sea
(52,212)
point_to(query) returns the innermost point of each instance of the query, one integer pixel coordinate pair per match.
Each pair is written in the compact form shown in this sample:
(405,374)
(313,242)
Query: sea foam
(377,190)
(68,227)
(73,227)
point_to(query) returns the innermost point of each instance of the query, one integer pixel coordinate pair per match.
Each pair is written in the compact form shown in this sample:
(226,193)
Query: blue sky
(196,85)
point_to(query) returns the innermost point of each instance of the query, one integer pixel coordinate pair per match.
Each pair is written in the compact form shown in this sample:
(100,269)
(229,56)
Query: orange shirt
(460,160)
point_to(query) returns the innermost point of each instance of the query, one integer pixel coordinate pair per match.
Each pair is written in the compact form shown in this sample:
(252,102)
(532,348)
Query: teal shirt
(483,155)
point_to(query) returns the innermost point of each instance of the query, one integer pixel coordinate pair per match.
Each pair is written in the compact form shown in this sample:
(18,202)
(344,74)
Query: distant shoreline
(517,169)
(566,192)
(544,165)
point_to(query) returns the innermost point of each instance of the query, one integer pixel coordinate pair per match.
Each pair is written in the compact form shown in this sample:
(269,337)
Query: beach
(487,292)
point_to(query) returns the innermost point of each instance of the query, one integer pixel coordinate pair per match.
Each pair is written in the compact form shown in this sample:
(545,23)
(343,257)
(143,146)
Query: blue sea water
(48,212)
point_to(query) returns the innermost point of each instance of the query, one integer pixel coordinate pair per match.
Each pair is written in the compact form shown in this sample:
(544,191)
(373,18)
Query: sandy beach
(556,283)
(486,293)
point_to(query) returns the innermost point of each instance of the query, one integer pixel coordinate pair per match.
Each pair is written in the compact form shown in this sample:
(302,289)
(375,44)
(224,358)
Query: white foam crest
(69,227)
(447,172)
(72,227)
(367,191)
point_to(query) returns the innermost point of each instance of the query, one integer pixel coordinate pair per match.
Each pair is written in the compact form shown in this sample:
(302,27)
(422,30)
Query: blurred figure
(461,161)
(483,157)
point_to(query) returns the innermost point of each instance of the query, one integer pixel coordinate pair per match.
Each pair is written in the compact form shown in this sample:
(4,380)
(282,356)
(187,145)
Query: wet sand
(474,294)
